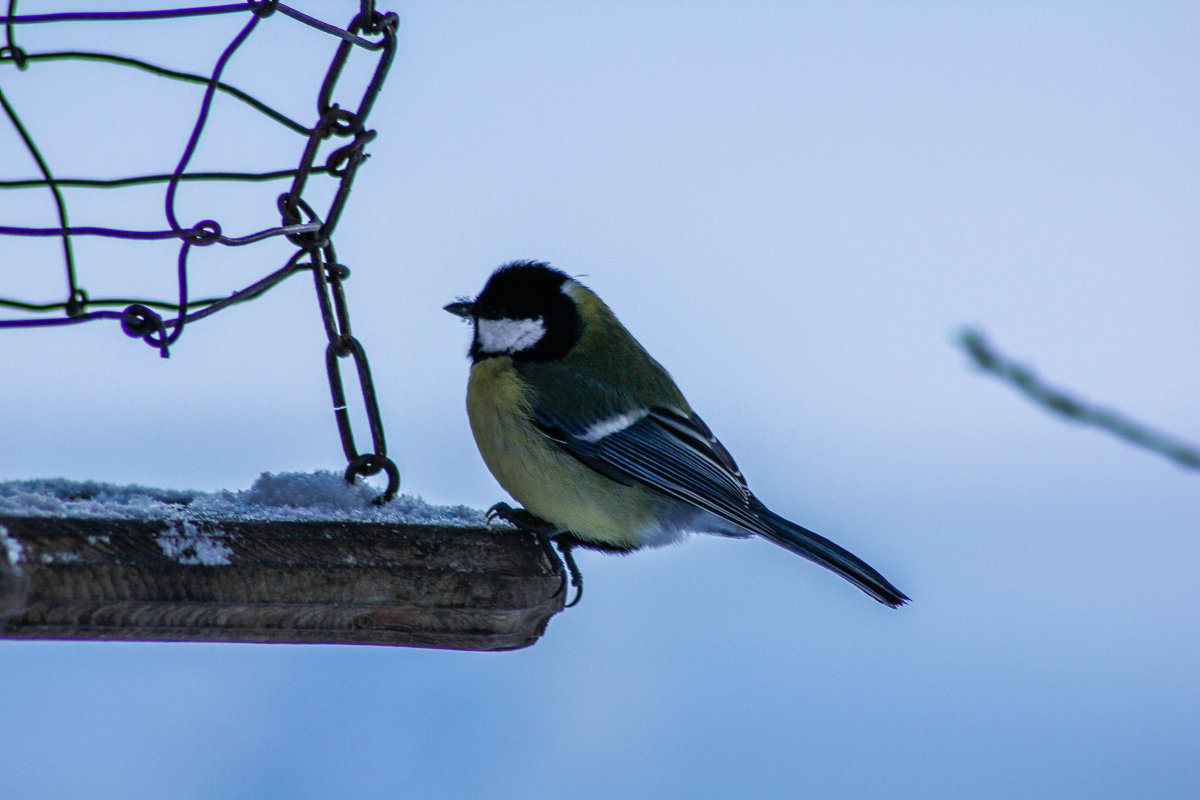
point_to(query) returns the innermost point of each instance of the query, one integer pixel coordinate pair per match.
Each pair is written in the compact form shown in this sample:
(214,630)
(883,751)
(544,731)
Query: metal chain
(369,31)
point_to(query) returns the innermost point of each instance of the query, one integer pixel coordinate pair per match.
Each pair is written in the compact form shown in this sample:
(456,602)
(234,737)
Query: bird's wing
(671,450)
(665,448)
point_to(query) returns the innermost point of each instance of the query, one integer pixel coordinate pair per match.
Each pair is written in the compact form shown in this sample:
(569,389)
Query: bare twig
(1023,379)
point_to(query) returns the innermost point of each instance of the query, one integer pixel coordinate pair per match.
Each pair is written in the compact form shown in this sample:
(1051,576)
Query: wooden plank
(299,582)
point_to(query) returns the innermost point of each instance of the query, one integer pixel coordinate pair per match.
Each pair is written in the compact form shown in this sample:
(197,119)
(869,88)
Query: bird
(591,435)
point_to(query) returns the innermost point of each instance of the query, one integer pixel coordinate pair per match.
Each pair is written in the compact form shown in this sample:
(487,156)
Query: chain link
(369,31)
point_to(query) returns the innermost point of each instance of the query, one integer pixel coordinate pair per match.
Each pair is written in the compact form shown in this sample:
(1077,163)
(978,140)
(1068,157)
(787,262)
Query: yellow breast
(542,477)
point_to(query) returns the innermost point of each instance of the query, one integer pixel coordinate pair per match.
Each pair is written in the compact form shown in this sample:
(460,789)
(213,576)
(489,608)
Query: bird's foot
(522,519)
(550,536)
(566,543)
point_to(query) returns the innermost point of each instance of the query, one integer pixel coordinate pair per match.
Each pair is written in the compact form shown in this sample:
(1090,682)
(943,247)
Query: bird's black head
(524,311)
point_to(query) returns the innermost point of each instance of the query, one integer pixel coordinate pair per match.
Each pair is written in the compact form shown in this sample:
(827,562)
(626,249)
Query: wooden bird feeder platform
(296,582)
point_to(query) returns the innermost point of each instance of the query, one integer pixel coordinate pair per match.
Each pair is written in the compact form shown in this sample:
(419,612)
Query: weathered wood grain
(300,582)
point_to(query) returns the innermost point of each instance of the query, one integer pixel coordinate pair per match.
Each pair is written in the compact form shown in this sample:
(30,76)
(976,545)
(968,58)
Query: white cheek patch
(508,335)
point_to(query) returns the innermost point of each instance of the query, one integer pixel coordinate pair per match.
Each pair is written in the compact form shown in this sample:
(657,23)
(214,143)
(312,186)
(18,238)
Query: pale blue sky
(794,206)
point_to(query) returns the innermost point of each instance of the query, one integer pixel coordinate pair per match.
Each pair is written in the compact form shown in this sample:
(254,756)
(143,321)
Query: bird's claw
(566,543)
(550,536)
(502,511)
(522,519)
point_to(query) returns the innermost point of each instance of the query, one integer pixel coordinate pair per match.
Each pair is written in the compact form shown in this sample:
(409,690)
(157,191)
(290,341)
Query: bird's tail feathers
(818,549)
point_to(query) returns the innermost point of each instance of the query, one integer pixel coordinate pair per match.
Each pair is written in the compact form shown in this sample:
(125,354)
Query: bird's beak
(461,308)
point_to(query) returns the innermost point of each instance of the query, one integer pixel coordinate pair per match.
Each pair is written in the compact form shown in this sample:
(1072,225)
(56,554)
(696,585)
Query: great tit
(590,434)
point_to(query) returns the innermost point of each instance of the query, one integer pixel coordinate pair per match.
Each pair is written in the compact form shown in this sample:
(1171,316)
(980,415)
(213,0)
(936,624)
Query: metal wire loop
(347,158)
(262,8)
(143,323)
(138,321)
(204,232)
(77,303)
(14,54)
(366,465)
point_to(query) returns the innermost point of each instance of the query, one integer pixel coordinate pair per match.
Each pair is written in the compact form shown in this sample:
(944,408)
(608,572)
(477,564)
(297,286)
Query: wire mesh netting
(88,179)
